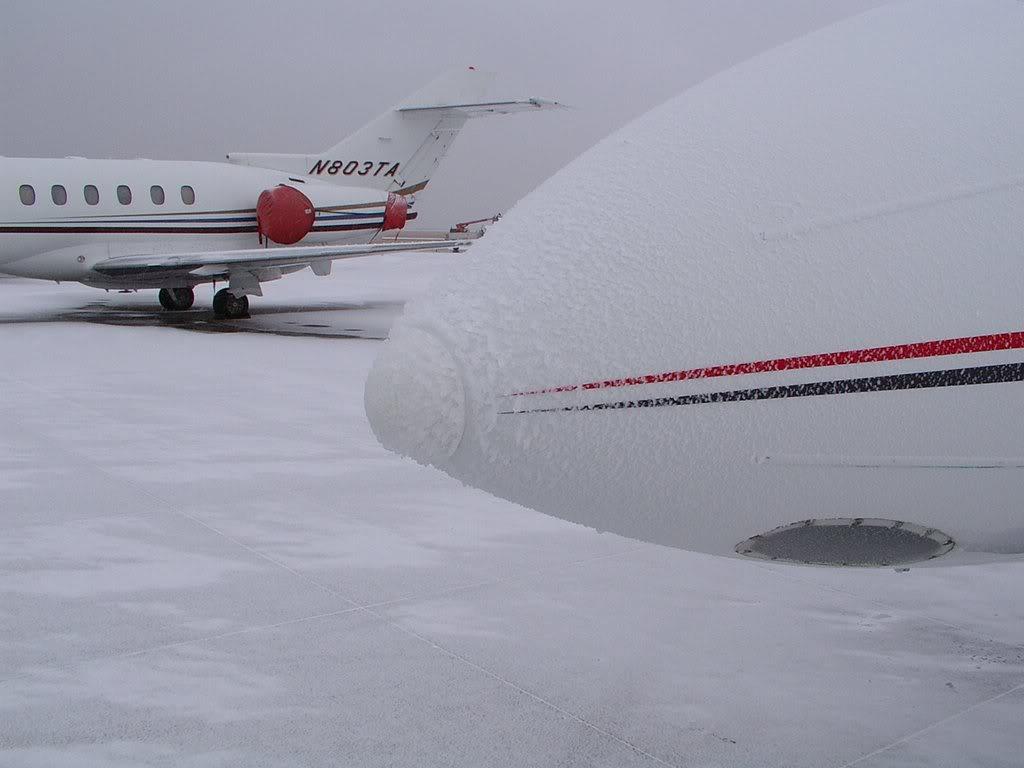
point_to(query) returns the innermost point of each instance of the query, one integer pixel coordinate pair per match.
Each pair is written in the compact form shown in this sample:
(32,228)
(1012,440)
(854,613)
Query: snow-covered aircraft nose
(414,397)
(779,316)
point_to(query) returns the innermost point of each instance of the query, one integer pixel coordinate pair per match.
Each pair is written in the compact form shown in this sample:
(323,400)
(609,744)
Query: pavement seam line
(530,694)
(431,643)
(319,616)
(936,724)
(423,639)
(355,606)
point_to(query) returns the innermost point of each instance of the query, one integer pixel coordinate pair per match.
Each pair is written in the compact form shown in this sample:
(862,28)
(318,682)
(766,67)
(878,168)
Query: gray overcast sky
(195,80)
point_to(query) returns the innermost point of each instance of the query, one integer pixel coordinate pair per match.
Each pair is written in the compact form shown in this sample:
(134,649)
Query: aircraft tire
(228,306)
(176,299)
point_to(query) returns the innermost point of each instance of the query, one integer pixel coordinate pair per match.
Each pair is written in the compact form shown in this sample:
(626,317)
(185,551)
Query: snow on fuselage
(793,292)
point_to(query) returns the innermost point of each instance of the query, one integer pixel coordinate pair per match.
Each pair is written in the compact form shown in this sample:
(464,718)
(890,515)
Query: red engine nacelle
(396,212)
(284,215)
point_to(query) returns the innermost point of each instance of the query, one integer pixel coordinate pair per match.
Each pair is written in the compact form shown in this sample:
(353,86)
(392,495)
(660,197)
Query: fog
(195,80)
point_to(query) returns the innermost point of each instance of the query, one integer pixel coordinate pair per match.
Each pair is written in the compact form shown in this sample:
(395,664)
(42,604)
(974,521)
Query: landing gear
(176,299)
(227,305)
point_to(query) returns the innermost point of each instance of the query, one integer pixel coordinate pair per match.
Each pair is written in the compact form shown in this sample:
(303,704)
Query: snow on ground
(207,560)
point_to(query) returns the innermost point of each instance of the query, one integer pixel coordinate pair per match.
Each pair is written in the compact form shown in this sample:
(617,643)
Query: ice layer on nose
(414,397)
(857,189)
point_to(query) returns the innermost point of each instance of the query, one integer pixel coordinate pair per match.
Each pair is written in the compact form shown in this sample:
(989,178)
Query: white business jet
(132,224)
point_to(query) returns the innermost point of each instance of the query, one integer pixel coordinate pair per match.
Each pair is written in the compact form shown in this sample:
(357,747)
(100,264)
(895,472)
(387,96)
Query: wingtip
(548,104)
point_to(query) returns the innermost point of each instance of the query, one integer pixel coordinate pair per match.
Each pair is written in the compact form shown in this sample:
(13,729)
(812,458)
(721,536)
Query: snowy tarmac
(207,560)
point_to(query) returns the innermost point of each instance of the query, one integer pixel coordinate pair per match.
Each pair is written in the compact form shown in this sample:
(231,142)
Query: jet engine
(396,212)
(284,215)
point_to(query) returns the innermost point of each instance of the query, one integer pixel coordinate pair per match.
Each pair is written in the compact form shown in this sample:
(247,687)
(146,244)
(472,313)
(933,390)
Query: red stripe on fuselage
(964,345)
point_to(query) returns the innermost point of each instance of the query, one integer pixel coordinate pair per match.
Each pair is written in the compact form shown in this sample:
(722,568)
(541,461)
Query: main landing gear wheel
(176,299)
(227,305)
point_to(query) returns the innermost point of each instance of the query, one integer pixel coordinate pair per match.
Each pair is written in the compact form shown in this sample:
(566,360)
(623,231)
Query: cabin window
(59,194)
(124,194)
(92,195)
(188,195)
(156,194)
(27,194)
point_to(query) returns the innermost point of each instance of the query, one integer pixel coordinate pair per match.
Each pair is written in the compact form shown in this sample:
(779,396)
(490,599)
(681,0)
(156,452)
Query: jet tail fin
(400,150)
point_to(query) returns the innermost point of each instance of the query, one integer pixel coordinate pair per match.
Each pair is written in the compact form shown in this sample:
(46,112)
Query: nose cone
(698,337)
(414,397)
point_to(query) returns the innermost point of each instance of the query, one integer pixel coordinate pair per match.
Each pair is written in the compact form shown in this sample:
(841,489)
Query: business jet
(779,317)
(135,224)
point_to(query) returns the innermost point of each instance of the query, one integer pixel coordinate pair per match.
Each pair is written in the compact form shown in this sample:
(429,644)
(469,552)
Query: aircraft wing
(211,263)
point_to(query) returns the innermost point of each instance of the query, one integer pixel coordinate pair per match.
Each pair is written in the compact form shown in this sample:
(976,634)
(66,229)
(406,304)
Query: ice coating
(414,396)
(858,188)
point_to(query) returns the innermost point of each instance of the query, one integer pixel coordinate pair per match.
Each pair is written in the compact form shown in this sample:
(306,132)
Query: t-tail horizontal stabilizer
(400,150)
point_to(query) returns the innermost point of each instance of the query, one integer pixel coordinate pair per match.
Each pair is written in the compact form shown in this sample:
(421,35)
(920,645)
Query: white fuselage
(58,217)
(808,308)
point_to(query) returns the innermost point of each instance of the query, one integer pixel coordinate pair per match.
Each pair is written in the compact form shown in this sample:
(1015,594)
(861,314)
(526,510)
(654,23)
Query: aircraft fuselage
(58,217)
